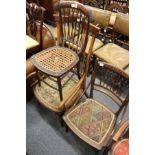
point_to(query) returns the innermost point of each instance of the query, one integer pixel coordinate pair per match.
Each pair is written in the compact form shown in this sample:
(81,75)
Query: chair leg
(38,77)
(60,88)
(61,120)
(103,151)
(66,127)
(78,70)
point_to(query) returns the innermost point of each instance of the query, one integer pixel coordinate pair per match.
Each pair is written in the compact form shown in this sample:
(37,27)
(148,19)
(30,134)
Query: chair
(120,141)
(115,52)
(93,120)
(34,25)
(47,91)
(101,18)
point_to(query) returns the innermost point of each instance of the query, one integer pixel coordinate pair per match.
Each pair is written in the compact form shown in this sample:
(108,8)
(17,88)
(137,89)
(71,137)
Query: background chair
(34,24)
(93,120)
(115,52)
(120,141)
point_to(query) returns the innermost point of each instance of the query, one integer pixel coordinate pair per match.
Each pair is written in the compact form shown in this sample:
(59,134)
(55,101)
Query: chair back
(121,24)
(34,14)
(101,17)
(112,82)
(73,25)
(80,88)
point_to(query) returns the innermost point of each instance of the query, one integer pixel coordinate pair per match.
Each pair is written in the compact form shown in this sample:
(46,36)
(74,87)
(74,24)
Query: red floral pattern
(121,148)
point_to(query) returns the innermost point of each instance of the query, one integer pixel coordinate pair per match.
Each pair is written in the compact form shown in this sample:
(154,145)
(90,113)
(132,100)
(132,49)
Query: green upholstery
(97,44)
(91,121)
(113,54)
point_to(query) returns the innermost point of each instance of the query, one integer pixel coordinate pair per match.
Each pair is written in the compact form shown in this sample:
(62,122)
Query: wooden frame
(35,14)
(74,94)
(119,80)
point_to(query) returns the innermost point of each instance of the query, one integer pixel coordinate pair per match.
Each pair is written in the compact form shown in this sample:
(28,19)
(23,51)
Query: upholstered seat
(50,97)
(97,44)
(113,54)
(92,122)
(127,70)
(121,148)
(31,43)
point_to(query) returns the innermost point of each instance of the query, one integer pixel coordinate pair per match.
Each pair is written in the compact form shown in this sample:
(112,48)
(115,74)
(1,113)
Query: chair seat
(31,44)
(49,97)
(92,122)
(127,70)
(97,44)
(121,148)
(113,54)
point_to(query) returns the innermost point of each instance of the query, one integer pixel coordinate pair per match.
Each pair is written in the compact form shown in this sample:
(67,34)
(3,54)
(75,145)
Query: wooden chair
(93,120)
(72,87)
(101,18)
(114,52)
(120,141)
(73,26)
(34,24)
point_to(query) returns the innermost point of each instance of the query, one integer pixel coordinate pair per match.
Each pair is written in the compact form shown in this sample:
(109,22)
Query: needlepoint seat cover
(113,54)
(49,97)
(92,122)
(121,148)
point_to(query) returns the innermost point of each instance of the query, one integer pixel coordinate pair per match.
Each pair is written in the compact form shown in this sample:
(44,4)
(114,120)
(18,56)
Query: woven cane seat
(113,54)
(92,122)
(55,60)
(49,97)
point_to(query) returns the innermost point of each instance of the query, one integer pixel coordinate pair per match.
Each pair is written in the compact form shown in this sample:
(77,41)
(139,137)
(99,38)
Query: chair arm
(121,130)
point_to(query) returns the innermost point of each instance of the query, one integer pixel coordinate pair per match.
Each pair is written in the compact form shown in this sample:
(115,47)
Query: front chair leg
(60,118)
(103,151)
(38,77)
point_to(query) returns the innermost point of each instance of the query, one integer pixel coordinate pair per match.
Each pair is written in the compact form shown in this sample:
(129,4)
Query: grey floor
(45,136)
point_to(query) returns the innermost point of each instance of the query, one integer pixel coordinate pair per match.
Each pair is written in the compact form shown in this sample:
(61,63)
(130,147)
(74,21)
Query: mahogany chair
(115,52)
(46,90)
(34,25)
(73,26)
(93,120)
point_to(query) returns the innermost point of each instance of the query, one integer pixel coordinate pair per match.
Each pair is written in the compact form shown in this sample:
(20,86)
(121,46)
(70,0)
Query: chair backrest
(78,91)
(112,82)
(73,25)
(101,17)
(121,24)
(34,14)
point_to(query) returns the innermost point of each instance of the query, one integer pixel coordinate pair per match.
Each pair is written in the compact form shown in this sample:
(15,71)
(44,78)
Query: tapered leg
(38,77)
(60,88)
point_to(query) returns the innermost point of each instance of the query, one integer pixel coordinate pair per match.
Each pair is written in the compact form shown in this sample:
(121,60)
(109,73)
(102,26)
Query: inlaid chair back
(73,25)
(34,14)
(113,82)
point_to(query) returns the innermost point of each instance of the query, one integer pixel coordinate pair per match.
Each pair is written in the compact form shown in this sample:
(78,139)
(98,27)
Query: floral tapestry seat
(121,148)
(92,122)
(49,97)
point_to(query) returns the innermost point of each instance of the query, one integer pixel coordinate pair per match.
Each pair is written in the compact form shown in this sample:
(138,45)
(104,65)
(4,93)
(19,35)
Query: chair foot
(103,151)
(66,128)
